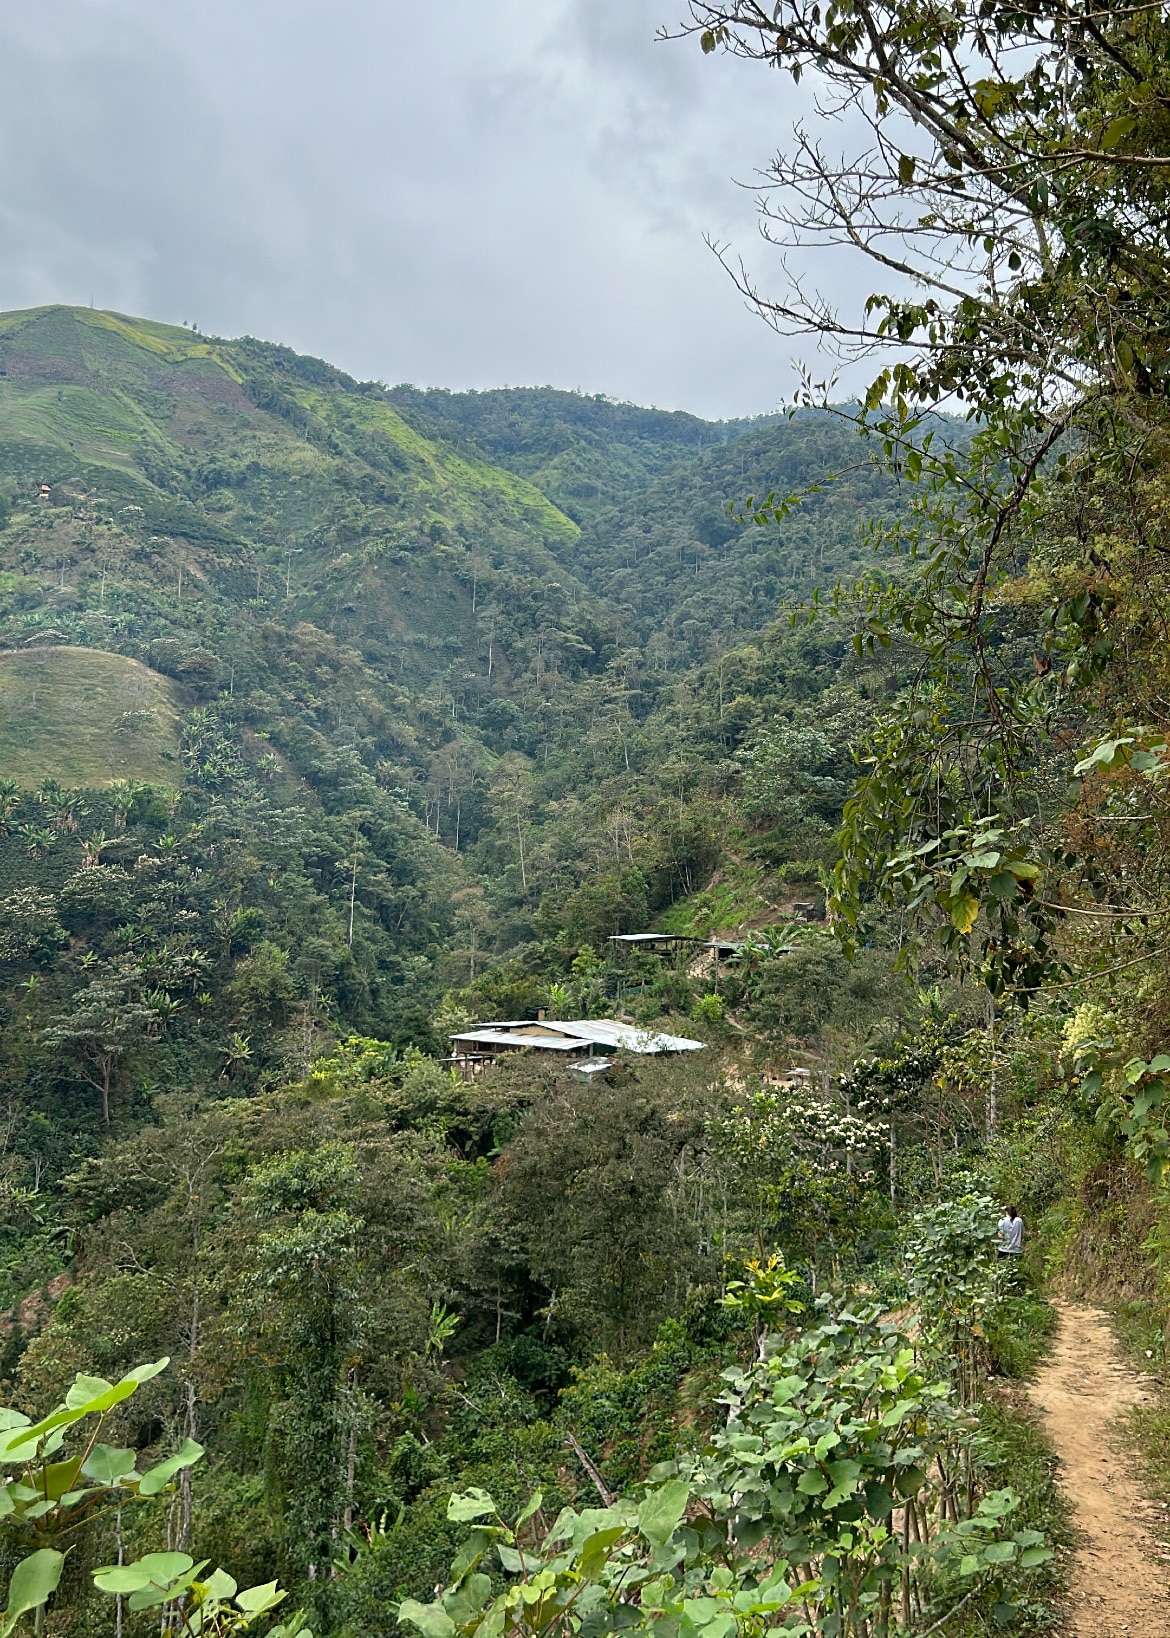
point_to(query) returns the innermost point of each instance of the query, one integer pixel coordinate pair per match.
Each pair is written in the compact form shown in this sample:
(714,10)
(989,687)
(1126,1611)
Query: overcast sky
(448,192)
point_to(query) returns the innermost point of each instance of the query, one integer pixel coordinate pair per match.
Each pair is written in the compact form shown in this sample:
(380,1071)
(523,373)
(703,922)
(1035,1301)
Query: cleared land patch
(85,717)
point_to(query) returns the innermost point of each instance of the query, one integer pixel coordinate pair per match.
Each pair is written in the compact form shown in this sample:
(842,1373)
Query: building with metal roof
(577,1036)
(722,947)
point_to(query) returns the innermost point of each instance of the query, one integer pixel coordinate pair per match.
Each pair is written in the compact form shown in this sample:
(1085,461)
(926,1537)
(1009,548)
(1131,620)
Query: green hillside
(332,718)
(83,718)
(483,622)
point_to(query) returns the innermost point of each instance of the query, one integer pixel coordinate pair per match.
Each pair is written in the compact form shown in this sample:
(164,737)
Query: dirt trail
(1116,1584)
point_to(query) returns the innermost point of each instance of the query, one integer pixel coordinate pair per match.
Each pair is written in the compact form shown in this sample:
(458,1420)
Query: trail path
(1116,1583)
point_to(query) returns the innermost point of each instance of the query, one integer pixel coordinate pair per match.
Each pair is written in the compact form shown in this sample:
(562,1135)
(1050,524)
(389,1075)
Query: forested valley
(337,719)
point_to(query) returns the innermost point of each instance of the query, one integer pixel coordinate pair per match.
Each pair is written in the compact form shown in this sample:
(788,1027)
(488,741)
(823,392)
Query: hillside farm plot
(85,717)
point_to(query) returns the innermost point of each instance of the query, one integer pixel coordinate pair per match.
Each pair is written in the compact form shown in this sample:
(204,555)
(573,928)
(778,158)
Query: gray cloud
(459,195)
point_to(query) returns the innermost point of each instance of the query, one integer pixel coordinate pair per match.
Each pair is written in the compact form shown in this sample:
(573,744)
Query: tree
(1010,183)
(98,1032)
(302,1290)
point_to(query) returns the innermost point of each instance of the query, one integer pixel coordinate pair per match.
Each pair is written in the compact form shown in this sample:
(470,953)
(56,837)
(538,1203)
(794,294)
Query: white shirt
(1011,1235)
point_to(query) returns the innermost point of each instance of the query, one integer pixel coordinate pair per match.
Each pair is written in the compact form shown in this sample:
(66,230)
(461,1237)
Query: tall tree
(1010,183)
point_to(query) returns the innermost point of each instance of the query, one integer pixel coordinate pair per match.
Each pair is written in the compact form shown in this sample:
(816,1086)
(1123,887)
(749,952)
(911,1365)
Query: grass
(1019,1329)
(85,717)
(741,894)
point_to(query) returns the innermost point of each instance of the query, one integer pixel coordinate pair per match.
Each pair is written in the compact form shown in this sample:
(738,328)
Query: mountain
(334,716)
(407,680)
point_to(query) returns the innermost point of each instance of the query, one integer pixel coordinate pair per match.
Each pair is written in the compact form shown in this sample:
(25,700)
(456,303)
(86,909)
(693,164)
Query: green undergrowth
(1014,1452)
(515,1441)
(1018,1334)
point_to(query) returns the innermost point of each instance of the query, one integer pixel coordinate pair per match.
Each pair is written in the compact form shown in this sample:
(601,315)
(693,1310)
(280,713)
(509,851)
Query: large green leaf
(162,1592)
(473,1505)
(108,1465)
(85,1389)
(255,1600)
(154,1568)
(155,1478)
(57,1478)
(431,1620)
(220,1585)
(33,1579)
(661,1512)
(596,1549)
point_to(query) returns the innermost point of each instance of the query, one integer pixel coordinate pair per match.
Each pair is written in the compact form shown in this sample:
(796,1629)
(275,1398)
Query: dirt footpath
(1116,1583)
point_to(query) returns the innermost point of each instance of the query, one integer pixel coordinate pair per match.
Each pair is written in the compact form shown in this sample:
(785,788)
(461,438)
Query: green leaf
(1032,1556)
(661,1512)
(1109,752)
(162,1592)
(533,1507)
(10,1437)
(220,1585)
(256,1600)
(461,1509)
(906,164)
(85,1389)
(1002,885)
(108,1465)
(431,1620)
(1023,869)
(813,1483)
(595,1550)
(154,1568)
(965,912)
(1000,1552)
(1117,130)
(92,1395)
(33,1579)
(155,1478)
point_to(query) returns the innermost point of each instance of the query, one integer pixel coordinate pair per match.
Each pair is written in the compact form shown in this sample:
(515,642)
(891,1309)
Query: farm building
(575,1037)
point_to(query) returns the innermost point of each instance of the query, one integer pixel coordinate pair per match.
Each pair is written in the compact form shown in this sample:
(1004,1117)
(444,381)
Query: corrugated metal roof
(517,1038)
(676,938)
(608,1032)
(567,1034)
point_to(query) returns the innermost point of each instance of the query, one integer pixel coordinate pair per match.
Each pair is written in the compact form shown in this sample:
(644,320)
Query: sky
(456,194)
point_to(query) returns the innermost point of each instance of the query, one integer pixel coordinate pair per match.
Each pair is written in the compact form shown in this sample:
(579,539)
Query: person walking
(1011,1233)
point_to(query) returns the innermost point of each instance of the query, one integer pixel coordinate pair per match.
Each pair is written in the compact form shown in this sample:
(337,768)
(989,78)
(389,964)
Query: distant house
(576,1037)
(704,956)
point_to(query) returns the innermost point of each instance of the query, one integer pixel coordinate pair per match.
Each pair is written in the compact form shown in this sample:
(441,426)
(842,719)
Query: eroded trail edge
(1082,1391)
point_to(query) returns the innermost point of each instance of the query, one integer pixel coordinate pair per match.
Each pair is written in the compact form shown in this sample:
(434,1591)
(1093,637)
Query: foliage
(954,1277)
(824,1438)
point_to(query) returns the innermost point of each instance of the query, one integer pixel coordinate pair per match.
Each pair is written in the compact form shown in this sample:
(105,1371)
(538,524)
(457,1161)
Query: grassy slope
(84,717)
(282,489)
